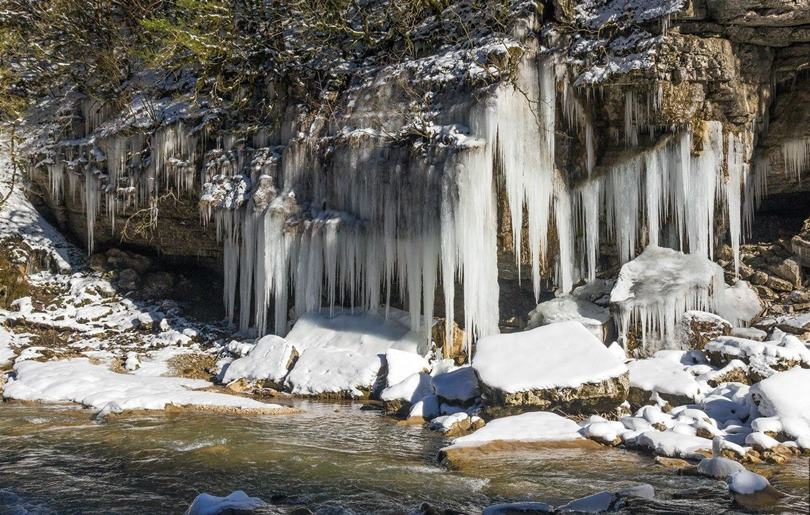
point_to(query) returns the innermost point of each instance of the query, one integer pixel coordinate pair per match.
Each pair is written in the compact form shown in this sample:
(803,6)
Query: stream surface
(330,458)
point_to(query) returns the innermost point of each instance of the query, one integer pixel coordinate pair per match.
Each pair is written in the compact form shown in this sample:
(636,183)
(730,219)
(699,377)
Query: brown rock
(790,271)
(778,284)
(758,278)
(698,328)
(588,398)
(455,349)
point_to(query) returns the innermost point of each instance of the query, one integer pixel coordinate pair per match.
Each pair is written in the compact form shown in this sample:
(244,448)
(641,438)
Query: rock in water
(269,361)
(234,503)
(752,491)
(558,366)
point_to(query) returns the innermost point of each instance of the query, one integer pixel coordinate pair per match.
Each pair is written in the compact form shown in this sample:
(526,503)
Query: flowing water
(330,458)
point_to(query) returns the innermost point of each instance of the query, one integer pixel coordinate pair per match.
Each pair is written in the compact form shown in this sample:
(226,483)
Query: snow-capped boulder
(268,362)
(402,364)
(785,395)
(752,491)
(398,399)
(674,445)
(537,428)
(342,354)
(558,366)
(667,378)
(457,384)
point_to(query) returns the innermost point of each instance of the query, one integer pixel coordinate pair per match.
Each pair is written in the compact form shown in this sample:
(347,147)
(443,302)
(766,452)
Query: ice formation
(659,286)
(298,233)
(796,154)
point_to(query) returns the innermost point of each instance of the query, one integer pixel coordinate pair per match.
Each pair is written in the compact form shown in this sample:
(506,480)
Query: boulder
(268,363)
(790,271)
(664,377)
(699,327)
(559,366)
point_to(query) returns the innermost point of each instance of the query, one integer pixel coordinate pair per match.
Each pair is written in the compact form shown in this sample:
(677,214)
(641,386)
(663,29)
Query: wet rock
(699,327)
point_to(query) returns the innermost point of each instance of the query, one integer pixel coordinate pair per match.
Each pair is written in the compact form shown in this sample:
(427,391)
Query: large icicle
(796,154)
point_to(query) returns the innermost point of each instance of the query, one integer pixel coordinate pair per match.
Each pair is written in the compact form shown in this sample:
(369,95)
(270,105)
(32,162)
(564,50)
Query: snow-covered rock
(785,395)
(236,502)
(603,502)
(752,491)
(673,445)
(459,384)
(399,397)
(537,427)
(456,424)
(786,353)
(269,360)
(402,364)
(739,304)
(334,372)
(94,386)
(560,365)
(426,408)
(665,377)
(342,354)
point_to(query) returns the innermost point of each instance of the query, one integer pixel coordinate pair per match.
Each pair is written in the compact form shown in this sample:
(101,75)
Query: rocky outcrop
(698,328)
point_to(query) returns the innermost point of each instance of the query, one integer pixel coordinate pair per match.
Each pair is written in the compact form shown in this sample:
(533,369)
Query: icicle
(590,206)
(563,219)
(796,154)
(733,189)
(91,199)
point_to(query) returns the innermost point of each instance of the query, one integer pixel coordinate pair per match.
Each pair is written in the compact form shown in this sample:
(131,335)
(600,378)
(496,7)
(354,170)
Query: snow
(739,304)
(427,408)
(673,445)
(760,440)
(267,360)
(343,353)
(411,389)
(238,501)
(784,395)
(96,387)
(659,286)
(6,352)
(663,375)
(403,364)
(569,307)
(459,384)
(746,482)
(333,371)
(364,333)
(718,467)
(537,426)
(559,355)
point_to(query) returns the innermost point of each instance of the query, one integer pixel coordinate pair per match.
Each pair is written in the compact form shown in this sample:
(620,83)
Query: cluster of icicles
(384,226)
